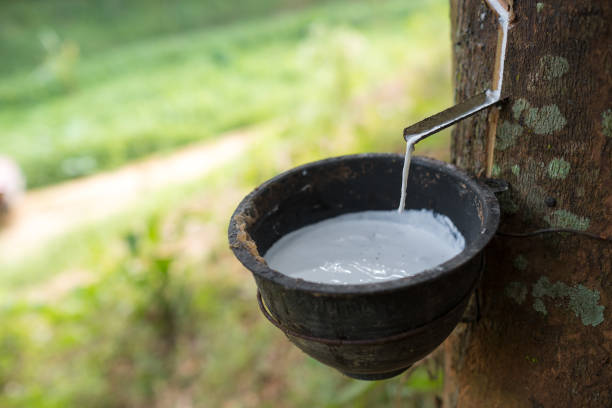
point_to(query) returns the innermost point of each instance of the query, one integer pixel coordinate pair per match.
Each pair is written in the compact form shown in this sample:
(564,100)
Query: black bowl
(368,331)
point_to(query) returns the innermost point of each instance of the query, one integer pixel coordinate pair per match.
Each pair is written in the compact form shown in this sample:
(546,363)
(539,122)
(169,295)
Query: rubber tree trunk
(545,335)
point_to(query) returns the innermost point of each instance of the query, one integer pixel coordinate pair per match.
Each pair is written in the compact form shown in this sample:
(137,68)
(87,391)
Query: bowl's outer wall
(357,183)
(387,357)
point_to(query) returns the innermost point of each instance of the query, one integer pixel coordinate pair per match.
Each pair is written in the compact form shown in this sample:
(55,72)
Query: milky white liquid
(407,158)
(366,247)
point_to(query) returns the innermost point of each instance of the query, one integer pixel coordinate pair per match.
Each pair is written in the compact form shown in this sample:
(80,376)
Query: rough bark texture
(545,335)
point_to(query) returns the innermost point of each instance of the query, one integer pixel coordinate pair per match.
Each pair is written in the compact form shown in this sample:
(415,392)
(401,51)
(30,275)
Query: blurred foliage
(103,85)
(153,309)
(163,325)
(24,23)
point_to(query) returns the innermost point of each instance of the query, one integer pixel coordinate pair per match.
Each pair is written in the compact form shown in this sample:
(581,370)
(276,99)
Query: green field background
(88,86)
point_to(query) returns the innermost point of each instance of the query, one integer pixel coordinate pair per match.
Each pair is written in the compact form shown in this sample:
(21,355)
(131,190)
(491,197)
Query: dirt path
(47,213)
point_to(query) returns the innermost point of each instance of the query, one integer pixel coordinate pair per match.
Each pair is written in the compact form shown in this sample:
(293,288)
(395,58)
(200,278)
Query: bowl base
(377,376)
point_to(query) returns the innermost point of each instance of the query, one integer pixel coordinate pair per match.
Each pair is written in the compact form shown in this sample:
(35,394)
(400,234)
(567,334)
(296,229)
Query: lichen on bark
(558,168)
(545,120)
(581,300)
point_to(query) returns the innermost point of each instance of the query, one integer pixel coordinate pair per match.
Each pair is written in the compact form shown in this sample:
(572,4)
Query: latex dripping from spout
(433,124)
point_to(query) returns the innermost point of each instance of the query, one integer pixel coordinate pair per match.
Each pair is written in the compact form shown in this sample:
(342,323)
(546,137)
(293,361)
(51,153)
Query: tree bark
(544,338)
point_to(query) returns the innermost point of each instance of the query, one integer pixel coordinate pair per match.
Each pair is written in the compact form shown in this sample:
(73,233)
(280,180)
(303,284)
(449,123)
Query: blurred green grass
(100,85)
(160,323)
(166,316)
(119,21)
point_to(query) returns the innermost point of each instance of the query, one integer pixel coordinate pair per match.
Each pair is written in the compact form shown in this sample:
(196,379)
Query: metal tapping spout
(433,124)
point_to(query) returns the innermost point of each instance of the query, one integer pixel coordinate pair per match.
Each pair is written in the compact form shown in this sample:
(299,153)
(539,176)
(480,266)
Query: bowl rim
(490,211)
